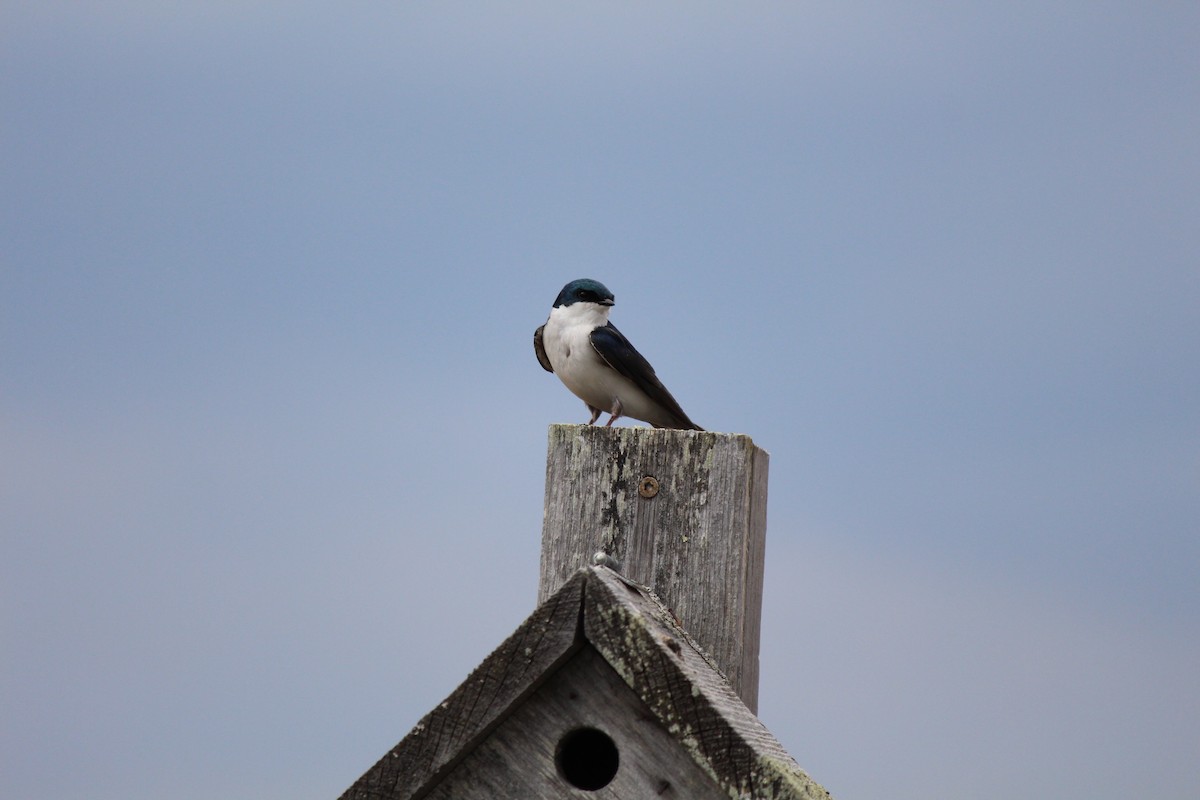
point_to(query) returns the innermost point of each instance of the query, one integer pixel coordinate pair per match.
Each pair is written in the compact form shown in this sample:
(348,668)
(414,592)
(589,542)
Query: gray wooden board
(675,678)
(698,542)
(517,760)
(677,722)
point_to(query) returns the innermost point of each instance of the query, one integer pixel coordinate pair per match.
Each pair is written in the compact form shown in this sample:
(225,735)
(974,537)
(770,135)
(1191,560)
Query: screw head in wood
(648,487)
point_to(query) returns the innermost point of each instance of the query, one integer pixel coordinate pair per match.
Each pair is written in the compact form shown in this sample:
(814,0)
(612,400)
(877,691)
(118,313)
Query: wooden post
(683,512)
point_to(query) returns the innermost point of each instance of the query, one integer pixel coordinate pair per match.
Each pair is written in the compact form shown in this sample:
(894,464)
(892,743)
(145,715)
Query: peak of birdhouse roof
(599,687)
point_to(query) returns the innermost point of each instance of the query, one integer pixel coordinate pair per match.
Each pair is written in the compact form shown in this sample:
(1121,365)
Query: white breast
(567,344)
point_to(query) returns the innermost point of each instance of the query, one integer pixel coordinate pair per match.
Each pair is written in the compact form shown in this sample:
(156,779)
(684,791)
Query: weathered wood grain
(602,653)
(699,540)
(517,760)
(665,668)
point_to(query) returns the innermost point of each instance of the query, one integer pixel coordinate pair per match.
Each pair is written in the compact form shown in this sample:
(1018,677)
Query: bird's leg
(595,415)
(616,412)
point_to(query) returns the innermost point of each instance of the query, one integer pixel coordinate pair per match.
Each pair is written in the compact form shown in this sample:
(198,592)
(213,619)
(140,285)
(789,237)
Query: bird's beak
(606,302)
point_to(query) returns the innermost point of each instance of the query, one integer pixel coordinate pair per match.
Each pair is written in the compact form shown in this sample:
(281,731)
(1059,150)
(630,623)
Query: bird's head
(584,290)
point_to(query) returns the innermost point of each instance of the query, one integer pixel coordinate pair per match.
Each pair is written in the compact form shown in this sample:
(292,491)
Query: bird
(598,364)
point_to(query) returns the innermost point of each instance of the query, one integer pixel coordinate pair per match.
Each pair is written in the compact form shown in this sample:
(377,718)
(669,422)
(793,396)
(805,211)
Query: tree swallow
(598,364)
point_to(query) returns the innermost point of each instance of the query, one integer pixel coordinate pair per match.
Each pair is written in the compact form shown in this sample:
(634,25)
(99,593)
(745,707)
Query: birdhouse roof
(598,690)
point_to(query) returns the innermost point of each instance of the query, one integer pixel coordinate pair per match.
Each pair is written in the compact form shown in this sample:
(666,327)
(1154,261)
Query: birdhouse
(605,690)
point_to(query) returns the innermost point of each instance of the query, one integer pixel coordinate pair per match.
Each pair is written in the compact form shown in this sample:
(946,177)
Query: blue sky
(272,435)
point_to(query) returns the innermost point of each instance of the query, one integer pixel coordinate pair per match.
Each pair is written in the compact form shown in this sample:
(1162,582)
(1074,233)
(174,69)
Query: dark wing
(616,351)
(540,351)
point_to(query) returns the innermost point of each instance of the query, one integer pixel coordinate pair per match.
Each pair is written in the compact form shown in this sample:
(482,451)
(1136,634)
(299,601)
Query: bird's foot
(616,412)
